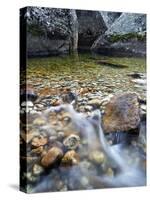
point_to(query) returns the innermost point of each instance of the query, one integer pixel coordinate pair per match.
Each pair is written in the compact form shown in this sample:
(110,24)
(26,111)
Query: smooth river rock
(121,113)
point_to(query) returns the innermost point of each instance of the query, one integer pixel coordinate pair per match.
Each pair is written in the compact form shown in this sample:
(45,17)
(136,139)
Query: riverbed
(84,71)
(66,146)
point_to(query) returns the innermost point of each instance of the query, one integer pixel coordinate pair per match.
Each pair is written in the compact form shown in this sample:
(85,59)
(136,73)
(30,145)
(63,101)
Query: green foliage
(126,37)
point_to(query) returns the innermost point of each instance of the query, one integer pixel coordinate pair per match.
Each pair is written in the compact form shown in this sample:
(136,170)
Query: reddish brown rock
(83,91)
(70,158)
(53,155)
(121,113)
(56,102)
(48,91)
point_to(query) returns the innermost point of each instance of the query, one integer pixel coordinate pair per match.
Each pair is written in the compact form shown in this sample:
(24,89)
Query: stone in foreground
(53,155)
(121,113)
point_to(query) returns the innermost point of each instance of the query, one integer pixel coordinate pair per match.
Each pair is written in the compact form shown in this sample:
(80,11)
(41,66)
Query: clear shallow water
(84,71)
(118,167)
(78,73)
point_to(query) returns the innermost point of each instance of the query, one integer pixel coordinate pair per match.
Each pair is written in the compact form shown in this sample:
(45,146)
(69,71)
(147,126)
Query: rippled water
(85,71)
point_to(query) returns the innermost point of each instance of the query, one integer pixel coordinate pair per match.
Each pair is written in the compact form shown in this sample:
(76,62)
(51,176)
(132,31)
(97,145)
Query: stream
(66,146)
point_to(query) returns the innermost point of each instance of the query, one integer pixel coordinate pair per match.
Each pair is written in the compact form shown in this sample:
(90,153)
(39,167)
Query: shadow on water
(110,64)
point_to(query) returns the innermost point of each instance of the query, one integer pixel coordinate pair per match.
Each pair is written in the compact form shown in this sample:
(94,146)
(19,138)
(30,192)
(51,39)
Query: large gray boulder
(48,31)
(126,36)
(91,25)
(109,17)
(56,31)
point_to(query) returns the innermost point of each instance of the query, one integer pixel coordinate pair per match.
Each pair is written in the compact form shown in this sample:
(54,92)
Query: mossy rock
(127,37)
(35,30)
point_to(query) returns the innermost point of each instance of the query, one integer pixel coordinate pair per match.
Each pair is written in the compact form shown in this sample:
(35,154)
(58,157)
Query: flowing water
(101,165)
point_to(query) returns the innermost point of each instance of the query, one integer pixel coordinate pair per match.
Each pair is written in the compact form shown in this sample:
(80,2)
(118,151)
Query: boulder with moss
(126,36)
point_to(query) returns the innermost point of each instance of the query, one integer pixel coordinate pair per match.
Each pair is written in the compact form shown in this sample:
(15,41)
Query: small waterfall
(113,156)
(127,175)
(90,128)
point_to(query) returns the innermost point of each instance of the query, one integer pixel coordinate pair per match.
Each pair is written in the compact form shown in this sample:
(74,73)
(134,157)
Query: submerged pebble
(72,141)
(39,121)
(53,155)
(95,102)
(84,181)
(97,157)
(62,146)
(110,172)
(39,141)
(37,169)
(30,177)
(70,158)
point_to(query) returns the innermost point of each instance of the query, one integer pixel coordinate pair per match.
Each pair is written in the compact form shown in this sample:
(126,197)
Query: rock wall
(109,17)
(126,36)
(56,31)
(48,31)
(53,31)
(91,25)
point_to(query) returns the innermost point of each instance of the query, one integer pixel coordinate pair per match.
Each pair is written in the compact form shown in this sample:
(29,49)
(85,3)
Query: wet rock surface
(52,156)
(121,113)
(64,147)
(51,31)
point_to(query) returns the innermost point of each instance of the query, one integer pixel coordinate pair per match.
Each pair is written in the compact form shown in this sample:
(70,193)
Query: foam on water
(91,129)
